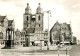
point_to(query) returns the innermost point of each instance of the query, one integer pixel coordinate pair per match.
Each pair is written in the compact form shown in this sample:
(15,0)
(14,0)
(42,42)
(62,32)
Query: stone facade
(33,26)
(33,21)
(3,26)
(60,32)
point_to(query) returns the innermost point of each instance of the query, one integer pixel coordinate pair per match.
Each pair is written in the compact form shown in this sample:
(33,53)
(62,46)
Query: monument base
(8,44)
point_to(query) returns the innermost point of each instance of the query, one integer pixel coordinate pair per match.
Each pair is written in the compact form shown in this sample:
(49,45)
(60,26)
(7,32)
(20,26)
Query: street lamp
(49,13)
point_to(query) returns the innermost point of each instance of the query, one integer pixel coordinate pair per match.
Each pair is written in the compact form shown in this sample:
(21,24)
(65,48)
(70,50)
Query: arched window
(27,25)
(39,17)
(39,25)
(27,18)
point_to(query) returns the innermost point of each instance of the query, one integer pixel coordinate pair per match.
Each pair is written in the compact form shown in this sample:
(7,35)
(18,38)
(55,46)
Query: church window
(27,25)
(39,25)
(27,18)
(39,17)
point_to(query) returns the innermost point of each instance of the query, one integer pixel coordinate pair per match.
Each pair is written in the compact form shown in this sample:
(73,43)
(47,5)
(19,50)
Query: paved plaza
(75,51)
(30,53)
(33,51)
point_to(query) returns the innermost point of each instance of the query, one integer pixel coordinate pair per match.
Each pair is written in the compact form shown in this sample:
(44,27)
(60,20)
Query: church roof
(28,7)
(56,25)
(30,30)
(2,18)
(39,9)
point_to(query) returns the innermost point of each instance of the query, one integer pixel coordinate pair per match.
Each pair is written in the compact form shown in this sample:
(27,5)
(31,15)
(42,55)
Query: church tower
(39,19)
(27,17)
(33,22)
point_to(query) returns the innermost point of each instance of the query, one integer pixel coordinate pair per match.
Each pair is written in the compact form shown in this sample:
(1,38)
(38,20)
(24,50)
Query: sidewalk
(29,54)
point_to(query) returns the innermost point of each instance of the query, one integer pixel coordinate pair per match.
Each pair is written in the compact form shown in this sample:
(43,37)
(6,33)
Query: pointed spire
(39,4)
(28,9)
(39,9)
(28,6)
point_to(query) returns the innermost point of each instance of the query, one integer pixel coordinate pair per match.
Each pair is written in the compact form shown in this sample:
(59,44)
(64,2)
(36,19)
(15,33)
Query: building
(39,38)
(6,31)
(60,32)
(3,26)
(33,26)
(33,22)
(31,39)
(17,37)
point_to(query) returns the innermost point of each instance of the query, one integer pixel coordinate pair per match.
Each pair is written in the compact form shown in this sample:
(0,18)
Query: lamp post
(49,14)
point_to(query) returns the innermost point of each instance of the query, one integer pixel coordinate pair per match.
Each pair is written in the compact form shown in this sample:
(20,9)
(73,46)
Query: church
(32,33)
(33,22)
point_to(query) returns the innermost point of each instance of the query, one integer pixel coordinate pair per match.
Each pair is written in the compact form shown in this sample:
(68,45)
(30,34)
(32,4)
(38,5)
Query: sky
(61,11)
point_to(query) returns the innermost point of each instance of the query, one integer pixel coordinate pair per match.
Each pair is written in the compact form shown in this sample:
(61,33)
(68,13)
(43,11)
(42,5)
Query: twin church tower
(33,22)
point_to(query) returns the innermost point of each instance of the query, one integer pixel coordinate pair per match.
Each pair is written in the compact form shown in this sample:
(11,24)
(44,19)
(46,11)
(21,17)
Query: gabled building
(60,32)
(3,26)
(6,31)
